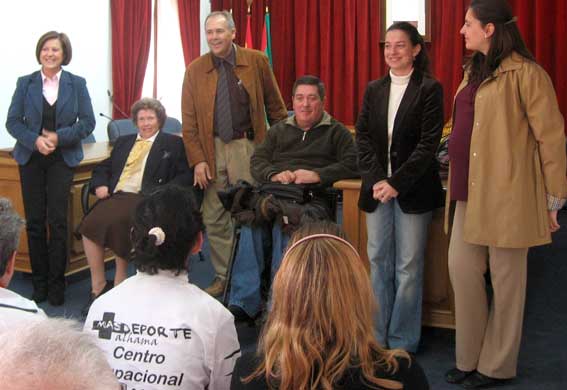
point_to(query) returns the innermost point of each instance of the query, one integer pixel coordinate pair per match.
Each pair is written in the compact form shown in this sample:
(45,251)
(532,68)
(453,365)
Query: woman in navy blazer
(50,114)
(397,132)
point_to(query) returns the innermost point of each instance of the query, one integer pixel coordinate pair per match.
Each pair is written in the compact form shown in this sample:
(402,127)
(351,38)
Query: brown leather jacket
(198,101)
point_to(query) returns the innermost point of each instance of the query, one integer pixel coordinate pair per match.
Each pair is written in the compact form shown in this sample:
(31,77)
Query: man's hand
(304,176)
(102,192)
(553,224)
(51,136)
(44,146)
(383,191)
(202,175)
(284,177)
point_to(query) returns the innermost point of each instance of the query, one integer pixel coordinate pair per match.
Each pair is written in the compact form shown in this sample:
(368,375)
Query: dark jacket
(198,101)
(327,148)
(167,163)
(411,375)
(417,131)
(74,116)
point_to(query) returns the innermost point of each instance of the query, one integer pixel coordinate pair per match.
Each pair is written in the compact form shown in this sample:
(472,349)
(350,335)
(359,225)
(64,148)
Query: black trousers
(46,183)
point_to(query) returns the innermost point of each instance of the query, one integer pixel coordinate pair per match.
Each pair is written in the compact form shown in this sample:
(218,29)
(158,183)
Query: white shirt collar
(57,76)
(151,139)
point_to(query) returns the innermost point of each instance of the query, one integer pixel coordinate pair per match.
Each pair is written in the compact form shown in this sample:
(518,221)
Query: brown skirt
(109,222)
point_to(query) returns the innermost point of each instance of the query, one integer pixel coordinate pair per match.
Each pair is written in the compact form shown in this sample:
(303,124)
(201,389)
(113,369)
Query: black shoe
(39,295)
(480,381)
(56,297)
(107,287)
(239,314)
(456,376)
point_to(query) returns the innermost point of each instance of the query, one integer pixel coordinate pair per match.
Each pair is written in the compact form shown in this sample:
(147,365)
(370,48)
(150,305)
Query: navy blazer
(415,138)
(75,119)
(166,163)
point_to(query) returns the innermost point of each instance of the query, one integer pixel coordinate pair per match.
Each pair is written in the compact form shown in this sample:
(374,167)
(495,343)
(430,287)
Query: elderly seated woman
(138,163)
(159,331)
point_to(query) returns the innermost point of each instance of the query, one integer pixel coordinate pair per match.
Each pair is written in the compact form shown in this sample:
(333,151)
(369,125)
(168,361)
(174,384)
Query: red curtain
(447,47)
(335,40)
(131,29)
(190,27)
(338,40)
(543,26)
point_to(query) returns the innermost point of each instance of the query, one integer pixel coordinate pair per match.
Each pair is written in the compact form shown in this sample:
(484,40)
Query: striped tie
(223,115)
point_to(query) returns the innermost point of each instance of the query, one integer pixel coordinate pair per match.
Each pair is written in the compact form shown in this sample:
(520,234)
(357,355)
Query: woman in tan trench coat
(507,177)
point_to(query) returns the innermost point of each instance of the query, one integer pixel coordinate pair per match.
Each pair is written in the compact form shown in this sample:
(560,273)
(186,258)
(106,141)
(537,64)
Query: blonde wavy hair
(321,323)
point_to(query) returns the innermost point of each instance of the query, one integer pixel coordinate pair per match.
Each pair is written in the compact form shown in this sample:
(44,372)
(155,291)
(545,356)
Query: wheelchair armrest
(333,197)
(85,192)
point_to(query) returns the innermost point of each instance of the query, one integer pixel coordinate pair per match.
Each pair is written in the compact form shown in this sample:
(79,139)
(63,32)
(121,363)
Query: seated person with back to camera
(138,164)
(309,148)
(14,309)
(158,331)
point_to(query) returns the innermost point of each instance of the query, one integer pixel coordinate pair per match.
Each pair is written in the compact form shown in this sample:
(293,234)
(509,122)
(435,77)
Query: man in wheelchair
(138,163)
(305,153)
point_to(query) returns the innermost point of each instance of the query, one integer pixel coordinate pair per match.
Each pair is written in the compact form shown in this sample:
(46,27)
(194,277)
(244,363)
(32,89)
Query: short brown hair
(65,45)
(149,104)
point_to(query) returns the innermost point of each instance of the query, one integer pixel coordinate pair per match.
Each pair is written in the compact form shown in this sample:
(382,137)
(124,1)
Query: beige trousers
(232,164)
(488,335)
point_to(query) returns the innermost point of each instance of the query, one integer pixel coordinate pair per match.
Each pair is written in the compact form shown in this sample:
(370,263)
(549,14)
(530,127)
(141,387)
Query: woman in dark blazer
(397,132)
(50,114)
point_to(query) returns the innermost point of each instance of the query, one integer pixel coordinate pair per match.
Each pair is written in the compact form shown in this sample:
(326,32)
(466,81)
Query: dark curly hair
(173,209)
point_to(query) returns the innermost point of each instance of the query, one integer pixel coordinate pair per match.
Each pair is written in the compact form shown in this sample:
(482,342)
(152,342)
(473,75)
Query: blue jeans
(396,247)
(245,291)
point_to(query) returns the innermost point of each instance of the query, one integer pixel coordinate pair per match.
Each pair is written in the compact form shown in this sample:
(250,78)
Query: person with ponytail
(397,133)
(158,331)
(507,181)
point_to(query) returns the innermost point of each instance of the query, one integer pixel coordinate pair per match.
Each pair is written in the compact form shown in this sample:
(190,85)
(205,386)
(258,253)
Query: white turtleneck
(397,89)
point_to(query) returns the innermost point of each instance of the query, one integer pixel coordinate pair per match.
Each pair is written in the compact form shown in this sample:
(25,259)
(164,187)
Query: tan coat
(198,101)
(517,157)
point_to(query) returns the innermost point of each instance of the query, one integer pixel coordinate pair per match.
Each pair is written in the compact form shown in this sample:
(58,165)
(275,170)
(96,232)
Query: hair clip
(158,233)
(514,19)
(322,235)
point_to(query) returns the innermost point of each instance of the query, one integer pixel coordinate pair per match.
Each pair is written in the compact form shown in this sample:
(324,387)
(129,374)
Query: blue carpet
(543,354)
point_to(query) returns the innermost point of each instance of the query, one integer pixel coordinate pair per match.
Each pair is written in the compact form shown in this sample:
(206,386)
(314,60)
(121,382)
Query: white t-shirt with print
(161,332)
(15,309)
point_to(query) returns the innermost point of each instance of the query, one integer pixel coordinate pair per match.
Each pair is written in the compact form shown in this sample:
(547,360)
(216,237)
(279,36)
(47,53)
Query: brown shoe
(216,288)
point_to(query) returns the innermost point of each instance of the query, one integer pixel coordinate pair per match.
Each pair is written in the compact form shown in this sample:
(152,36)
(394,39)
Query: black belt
(239,134)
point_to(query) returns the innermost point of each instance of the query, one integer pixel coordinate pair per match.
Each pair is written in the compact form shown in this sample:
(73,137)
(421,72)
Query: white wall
(86,22)
(205,10)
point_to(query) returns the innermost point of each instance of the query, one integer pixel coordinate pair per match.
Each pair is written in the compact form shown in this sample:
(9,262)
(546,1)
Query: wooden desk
(438,300)
(10,187)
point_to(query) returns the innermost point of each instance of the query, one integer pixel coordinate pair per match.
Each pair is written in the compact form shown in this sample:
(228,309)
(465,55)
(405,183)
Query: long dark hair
(421,62)
(505,40)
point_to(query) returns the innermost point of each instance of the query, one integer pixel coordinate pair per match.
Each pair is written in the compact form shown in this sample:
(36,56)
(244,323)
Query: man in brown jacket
(227,95)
